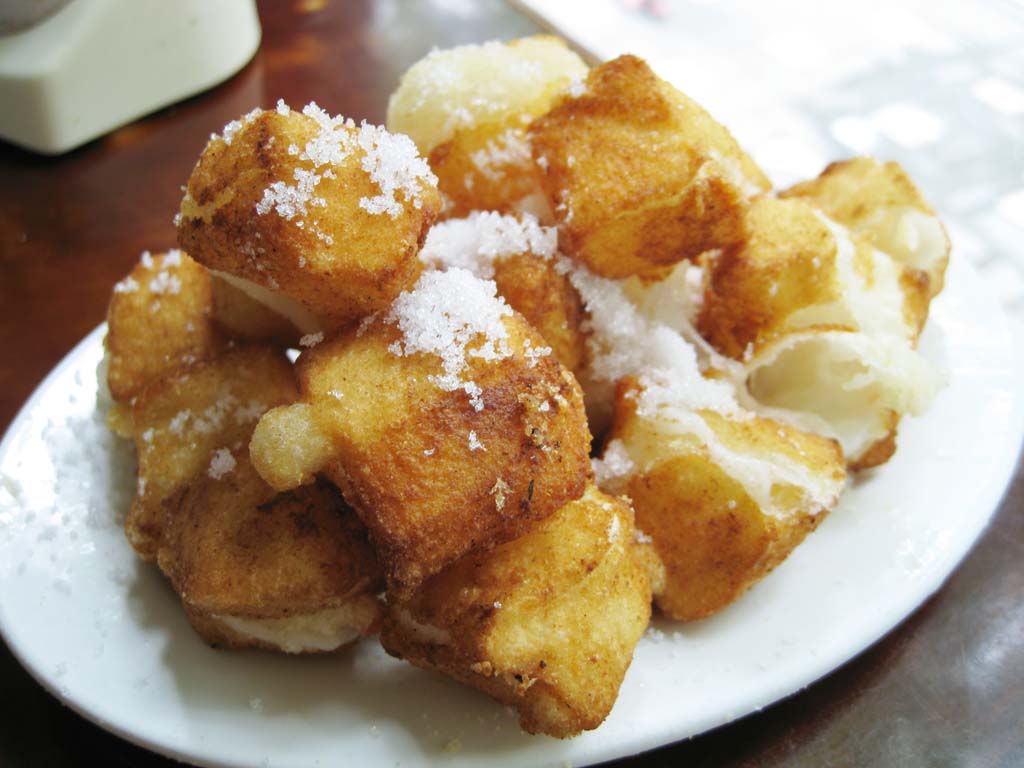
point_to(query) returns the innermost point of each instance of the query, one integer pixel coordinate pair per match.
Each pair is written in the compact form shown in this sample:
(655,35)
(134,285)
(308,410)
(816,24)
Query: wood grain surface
(945,688)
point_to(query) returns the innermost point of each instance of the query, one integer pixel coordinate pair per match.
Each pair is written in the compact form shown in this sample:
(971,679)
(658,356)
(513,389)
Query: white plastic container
(95,65)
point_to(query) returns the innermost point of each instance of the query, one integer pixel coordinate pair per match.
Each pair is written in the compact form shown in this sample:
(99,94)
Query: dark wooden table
(945,688)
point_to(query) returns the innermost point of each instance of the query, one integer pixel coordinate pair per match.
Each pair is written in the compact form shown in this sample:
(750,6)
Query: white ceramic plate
(103,632)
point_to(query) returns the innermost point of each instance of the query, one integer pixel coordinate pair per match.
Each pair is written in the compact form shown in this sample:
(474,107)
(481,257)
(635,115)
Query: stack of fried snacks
(581,251)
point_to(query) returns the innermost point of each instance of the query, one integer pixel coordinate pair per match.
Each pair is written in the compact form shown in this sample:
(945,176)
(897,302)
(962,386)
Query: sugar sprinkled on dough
(614,466)
(480,239)
(221,463)
(311,339)
(394,165)
(625,342)
(454,316)
(235,126)
(330,146)
(474,442)
(128,285)
(391,160)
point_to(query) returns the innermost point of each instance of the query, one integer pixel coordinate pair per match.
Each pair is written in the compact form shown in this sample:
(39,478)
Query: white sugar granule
(250,412)
(391,160)
(329,147)
(232,128)
(146,259)
(172,258)
(477,241)
(394,165)
(474,442)
(499,491)
(311,339)
(577,87)
(165,283)
(177,423)
(452,315)
(625,342)
(221,463)
(128,285)
(614,529)
(510,148)
(614,466)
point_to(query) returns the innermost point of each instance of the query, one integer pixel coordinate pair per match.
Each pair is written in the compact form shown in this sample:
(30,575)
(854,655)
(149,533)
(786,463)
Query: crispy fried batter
(181,421)
(432,476)
(879,201)
(295,569)
(474,85)
(329,213)
(533,287)
(640,177)
(547,622)
(489,168)
(158,320)
(724,503)
(825,324)
(467,108)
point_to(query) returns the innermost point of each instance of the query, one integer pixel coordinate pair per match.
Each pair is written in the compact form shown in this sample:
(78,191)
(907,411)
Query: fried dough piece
(825,324)
(546,623)
(292,572)
(640,176)
(444,422)
(198,421)
(325,212)
(879,202)
(724,498)
(158,320)
(521,257)
(799,269)
(467,109)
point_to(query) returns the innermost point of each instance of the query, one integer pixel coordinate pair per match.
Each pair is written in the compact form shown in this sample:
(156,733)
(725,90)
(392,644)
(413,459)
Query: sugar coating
(311,339)
(457,88)
(454,316)
(474,442)
(394,165)
(391,161)
(232,128)
(128,285)
(614,466)
(510,147)
(221,463)
(477,241)
(625,342)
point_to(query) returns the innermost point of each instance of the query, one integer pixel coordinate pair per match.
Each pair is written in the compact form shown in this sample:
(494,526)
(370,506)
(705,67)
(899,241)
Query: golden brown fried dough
(328,213)
(723,499)
(640,177)
(825,324)
(198,421)
(254,568)
(467,109)
(444,422)
(879,201)
(158,320)
(546,623)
